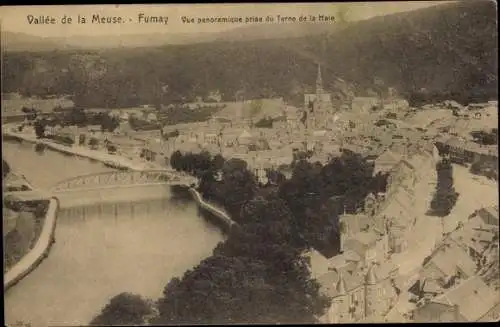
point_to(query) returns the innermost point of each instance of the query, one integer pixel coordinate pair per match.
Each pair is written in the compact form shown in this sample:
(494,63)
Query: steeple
(371,279)
(341,287)
(319,81)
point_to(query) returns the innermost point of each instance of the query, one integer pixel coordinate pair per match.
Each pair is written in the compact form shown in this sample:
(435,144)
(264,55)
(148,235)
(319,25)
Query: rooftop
(473,297)
(355,223)
(367,238)
(448,257)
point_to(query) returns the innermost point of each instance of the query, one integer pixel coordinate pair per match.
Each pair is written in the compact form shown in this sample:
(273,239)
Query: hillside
(16,42)
(275,31)
(450,49)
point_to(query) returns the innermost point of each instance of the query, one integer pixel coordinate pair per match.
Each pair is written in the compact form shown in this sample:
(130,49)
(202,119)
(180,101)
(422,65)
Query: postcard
(250,163)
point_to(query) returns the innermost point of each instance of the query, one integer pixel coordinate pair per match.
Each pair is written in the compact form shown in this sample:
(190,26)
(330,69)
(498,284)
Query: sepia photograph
(266,163)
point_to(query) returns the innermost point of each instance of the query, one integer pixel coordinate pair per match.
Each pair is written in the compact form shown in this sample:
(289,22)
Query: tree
(175,160)
(81,139)
(94,143)
(124,309)
(238,185)
(266,122)
(255,276)
(40,128)
(109,123)
(275,177)
(445,196)
(218,162)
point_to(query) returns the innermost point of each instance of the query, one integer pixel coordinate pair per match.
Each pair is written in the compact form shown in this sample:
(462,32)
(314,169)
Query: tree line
(76,117)
(445,196)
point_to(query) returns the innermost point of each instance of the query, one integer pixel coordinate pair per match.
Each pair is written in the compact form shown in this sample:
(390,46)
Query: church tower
(371,292)
(319,83)
(339,311)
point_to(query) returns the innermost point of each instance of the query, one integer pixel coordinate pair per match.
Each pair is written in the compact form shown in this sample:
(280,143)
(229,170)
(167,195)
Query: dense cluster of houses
(461,150)
(451,287)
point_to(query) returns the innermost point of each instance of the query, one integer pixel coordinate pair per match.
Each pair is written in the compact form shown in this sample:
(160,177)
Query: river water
(120,247)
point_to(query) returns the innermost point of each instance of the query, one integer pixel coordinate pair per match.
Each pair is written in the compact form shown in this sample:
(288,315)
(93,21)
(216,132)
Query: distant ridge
(449,49)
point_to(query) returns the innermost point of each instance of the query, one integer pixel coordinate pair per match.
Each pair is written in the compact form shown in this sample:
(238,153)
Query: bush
(265,123)
(82,139)
(65,139)
(93,143)
(62,139)
(112,148)
(488,169)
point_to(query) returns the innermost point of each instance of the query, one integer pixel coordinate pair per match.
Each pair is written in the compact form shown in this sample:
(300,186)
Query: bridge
(111,186)
(123,178)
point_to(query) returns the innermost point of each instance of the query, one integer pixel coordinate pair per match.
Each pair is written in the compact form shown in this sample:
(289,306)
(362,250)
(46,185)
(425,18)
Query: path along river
(133,247)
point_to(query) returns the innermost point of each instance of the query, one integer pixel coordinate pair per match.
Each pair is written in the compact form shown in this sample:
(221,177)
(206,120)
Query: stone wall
(217,212)
(39,252)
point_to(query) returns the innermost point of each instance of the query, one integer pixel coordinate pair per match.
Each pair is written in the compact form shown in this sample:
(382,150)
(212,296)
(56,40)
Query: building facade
(360,295)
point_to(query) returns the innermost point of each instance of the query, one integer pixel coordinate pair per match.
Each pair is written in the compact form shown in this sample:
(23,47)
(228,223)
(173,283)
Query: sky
(15,18)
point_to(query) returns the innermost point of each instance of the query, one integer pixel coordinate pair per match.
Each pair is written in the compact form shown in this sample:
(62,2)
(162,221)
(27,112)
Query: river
(121,247)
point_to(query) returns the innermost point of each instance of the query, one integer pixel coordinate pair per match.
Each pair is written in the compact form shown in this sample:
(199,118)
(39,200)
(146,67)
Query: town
(314,174)
(390,245)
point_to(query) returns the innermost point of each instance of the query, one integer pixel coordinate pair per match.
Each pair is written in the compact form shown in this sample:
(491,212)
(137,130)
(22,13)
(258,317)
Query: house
(386,162)
(364,104)
(470,301)
(369,245)
(352,224)
(245,138)
(475,237)
(358,292)
(492,315)
(402,176)
(431,289)
(489,215)
(448,264)
(397,105)
(461,151)
(318,264)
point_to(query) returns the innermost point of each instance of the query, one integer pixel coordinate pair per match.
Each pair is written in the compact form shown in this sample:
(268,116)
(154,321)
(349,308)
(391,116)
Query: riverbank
(21,233)
(117,162)
(39,252)
(219,213)
(120,163)
(16,182)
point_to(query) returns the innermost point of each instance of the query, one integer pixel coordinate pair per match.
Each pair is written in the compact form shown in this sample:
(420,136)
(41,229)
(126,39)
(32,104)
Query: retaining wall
(39,252)
(219,213)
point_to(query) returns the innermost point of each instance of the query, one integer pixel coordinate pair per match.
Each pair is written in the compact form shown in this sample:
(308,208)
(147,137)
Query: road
(427,231)
(475,192)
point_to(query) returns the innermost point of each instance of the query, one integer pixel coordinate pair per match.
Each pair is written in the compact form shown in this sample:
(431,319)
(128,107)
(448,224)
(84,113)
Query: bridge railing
(122,177)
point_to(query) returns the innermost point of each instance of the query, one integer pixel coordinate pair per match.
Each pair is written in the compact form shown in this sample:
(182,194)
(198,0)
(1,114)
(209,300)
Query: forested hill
(450,49)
